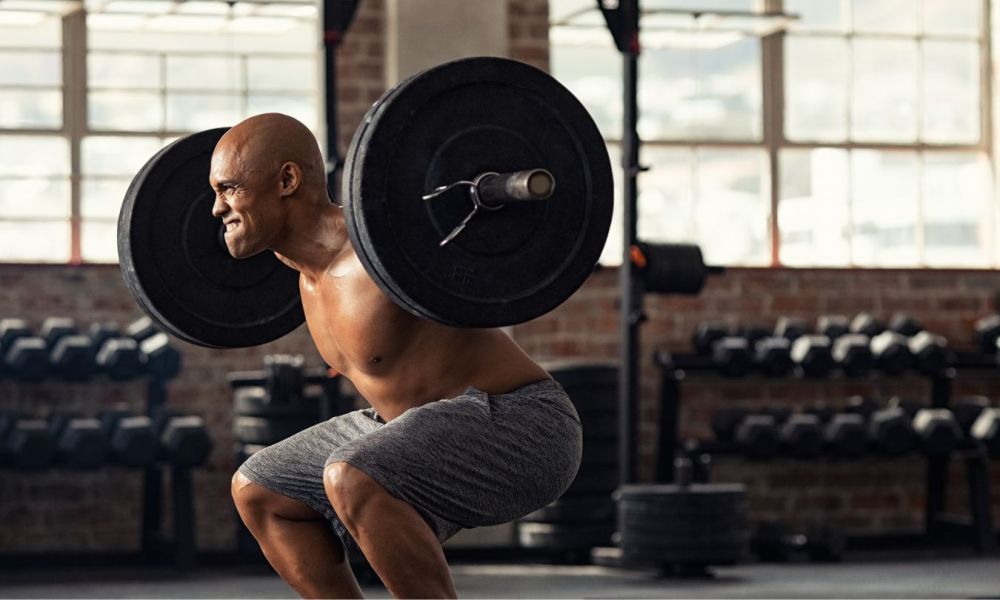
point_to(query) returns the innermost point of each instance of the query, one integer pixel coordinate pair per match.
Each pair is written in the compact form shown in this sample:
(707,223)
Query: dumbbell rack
(155,546)
(938,525)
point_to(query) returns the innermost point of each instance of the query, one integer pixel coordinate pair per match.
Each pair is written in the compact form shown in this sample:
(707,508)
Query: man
(464,429)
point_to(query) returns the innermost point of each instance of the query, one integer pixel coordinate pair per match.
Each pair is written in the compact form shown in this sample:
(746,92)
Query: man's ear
(290,178)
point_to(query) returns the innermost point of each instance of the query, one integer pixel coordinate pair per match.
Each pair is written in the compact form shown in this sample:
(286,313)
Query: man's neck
(317,236)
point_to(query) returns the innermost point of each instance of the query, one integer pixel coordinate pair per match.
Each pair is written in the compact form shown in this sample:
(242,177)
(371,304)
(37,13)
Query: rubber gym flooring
(900,577)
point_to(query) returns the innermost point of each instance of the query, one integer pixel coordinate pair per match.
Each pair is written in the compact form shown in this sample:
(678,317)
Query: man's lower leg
(397,541)
(297,541)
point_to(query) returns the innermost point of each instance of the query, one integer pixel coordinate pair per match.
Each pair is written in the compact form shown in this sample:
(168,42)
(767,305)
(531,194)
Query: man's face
(246,201)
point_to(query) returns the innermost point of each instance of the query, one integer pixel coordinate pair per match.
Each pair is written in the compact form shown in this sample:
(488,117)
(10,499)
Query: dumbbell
(846,436)
(936,429)
(892,353)
(141,328)
(812,353)
(132,441)
(71,354)
(986,430)
(801,436)
(852,353)
(80,442)
(987,333)
(757,436)
(754,435)
(10,331)
(25,356)
(889,429)
(790,328)
(183,439)
(731,355)
(25,443)
(931,355)
(833,326)
(159,357)
(866,324)
(773,542)
(116,354)
(773,356)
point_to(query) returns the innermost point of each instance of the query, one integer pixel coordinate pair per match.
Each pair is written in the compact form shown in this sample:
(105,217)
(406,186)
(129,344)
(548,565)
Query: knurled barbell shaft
(519,186)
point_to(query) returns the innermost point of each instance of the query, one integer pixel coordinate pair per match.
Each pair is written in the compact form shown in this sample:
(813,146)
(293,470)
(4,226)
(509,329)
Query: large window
(857,134)
(87,96)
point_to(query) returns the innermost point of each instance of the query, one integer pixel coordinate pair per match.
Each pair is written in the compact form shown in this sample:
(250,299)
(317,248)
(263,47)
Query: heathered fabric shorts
(475,460)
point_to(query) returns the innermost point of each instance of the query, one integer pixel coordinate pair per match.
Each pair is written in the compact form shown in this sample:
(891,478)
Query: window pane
(204,72)
(21,241)
(47,34)
(816,88)
(707,93)
(26,156)
(666,195)
(886,16)
(951,92)
(957,211)
(884,207)
(825,15)
(960,17)
(34,197)
(188,112)
(30,68)
(99,241)
(122,70)
(24,109)
(302,108)
(732,207)
(124,111)
(885,90)
(111,155)
(102,198)
(812,211)
(281,74)
(594,76)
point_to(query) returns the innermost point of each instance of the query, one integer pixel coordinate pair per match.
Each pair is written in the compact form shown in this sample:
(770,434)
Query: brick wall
(871,495)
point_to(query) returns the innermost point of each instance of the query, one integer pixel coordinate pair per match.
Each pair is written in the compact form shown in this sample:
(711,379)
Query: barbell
(477,193)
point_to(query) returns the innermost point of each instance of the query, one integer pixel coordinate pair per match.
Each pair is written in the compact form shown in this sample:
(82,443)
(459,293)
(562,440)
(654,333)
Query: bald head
(269,181)
(263,143)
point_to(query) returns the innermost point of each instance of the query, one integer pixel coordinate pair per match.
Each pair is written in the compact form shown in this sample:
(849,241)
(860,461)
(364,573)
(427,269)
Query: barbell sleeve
(518,186)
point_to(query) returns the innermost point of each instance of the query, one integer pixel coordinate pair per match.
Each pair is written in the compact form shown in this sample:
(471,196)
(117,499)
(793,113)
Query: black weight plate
(178,268)
(258,430)
(255,402)
(726,551)
(569,536)
(575,509)
(668,492)
(454,122)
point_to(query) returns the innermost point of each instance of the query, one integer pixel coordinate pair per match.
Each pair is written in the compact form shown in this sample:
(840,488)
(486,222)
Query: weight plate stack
(584,517)
(697,524)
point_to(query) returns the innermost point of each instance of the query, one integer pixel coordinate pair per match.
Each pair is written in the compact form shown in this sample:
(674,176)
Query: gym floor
(909,576)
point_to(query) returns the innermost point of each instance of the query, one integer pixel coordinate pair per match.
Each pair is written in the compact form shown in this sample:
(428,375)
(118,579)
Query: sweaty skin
(270,183)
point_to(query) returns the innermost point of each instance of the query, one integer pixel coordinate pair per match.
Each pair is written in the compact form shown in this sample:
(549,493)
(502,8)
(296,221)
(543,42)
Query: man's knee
(255,503)
(349,490)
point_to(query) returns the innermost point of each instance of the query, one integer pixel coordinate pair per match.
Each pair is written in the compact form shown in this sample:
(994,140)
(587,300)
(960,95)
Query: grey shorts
(475,460)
